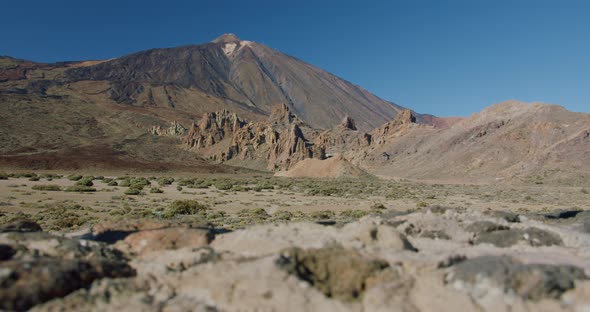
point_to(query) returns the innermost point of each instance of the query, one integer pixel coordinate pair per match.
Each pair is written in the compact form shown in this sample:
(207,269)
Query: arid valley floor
(72,241)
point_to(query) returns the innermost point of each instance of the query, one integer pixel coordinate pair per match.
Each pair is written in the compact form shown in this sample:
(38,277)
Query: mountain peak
(227,38)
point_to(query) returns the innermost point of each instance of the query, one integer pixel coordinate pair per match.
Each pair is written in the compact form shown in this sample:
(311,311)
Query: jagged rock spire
(281,114)
(348,123)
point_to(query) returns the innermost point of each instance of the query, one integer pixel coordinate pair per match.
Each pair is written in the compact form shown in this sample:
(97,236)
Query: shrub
(47,187)
(75,177)
(165,181)
(80,188)
(240,188)
(112,183)
(323,215)
(3,176)
(85,182)
(179,188)
(282,215)
(354,214)
(422,205)
(156,190)
(34,179)
(265,185)
(223,185)
(378,206)
(24,175)
(258,213)
(133,191)
(137,183)
(184,207)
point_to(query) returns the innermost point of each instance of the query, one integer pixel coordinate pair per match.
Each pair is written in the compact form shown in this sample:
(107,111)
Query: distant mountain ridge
(232,102)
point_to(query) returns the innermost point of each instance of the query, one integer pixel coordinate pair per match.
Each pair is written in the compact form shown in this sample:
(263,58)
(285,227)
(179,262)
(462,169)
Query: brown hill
(505,141)
(334,167)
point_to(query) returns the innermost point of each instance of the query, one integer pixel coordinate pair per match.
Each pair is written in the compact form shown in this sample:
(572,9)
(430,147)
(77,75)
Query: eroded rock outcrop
(404,120)
(278,143)
(175,129)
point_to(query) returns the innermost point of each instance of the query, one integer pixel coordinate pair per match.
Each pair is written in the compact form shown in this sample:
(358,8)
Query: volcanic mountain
(239,103)
(242,76)
(82,113)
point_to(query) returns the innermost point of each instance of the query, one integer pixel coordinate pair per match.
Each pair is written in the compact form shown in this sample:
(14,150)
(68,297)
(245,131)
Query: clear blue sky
(447,58)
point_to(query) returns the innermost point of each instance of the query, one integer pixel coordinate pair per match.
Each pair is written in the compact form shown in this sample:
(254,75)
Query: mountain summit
(242,76)
(227,38)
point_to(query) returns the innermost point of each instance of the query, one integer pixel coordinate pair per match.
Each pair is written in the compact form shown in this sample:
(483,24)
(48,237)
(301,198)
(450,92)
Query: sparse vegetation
(133,191)
(223,185)
(74,177)
(86,181)
(165,181)
(184,207)
(353,214)
(80,188)
(46,187)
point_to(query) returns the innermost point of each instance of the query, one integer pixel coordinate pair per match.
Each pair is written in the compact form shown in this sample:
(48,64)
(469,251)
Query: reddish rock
(144,242)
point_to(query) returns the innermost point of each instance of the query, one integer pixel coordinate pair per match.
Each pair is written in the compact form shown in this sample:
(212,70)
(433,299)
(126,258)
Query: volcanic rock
(530,281)
(337,272)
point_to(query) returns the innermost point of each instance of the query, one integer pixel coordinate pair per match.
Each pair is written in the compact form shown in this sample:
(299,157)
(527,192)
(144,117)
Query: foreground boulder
(528,281)
(36,267)
(509,237)
(20,225)
(24,284)
(144,242)
(336,272)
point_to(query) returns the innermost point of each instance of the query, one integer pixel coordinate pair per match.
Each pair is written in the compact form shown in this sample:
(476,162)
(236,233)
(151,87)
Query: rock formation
(175,129)
(278,143)
(403,120)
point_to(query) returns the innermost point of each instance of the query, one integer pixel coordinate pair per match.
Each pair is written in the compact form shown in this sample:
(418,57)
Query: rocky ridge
(277,144)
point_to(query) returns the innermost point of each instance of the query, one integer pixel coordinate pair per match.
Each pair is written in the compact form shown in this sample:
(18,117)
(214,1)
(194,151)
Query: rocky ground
(508,254)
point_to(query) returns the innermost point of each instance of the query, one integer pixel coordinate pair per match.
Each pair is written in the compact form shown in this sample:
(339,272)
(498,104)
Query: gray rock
(435,234)
(529,281)
(337,272)
(562,214)
(480,227)
(6,252)
(532,236)
(32,282)
(20,225)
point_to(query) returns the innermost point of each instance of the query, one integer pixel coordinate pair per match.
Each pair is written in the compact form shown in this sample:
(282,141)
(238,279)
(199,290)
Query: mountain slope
(242,74)
(505,141)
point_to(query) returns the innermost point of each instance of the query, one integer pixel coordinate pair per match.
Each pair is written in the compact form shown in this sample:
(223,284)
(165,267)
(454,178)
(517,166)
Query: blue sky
(448,58)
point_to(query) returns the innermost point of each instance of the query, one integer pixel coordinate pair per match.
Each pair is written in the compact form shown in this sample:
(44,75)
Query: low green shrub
(354,214)
(165,181)
(156,190)
(223,185)
(133,191)
(47,187)
(87,181)
(184,207)
(80,188)
(74,177)
(323,215)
